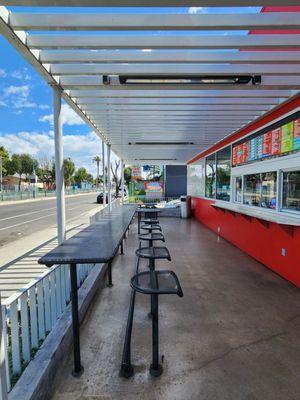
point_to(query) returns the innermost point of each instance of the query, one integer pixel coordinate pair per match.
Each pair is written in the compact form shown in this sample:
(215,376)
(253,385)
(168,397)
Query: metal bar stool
(151,228)
(153,283)
(150,221)
(150,238)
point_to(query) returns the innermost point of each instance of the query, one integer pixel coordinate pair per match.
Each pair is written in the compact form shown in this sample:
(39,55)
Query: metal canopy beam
(171,103)
(174,69)
(159,41)
(172,112)
(209,107)
(161,22)
(199,93)
(149,3)
(268,82)
(168,56)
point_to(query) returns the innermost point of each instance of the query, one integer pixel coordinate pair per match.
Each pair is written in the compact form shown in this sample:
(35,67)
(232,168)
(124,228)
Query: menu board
(267,144)
(296,144)
(276,141)
(287,137)
(279,141)
(235,155)
(259,147)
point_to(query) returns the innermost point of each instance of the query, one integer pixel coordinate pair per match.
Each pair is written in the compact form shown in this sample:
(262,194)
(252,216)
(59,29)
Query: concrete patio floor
(233,336)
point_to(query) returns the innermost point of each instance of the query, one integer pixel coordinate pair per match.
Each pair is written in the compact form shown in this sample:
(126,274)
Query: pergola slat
(174,69)
(160,41)
(180,21)
(169,56)
(168,104)
(161,94)
(208,107)
(149,3)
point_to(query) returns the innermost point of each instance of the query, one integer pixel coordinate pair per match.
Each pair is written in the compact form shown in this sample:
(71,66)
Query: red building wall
(262,241)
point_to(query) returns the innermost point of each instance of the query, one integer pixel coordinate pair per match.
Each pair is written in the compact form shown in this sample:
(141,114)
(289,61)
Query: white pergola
(159,115)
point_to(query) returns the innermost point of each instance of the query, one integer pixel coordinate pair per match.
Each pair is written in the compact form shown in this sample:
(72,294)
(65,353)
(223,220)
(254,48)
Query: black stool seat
(151,221)
(153,253)
(151,227)
(150,237)
(156,282)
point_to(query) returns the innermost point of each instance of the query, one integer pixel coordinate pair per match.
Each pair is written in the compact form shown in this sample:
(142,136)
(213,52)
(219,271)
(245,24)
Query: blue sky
(26,101)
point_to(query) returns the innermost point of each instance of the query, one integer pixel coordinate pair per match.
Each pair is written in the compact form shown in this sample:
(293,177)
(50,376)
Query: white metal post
(3,381)
(122,181)
(108,177)
(59,167)
(103,173)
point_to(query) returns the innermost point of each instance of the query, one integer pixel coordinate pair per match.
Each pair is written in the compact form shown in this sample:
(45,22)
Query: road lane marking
(32,212)
(29,213)
(36,219)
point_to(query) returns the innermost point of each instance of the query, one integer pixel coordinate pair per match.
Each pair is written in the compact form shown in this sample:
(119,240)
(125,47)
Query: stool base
(156,372)
(79,373)
(126,371)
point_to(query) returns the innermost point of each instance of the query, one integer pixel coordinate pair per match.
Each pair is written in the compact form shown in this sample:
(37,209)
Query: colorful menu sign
(296,144)
(276,142)
(287,137)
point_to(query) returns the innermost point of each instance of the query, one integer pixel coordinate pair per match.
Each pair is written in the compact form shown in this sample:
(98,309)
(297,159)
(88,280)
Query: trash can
(185,206)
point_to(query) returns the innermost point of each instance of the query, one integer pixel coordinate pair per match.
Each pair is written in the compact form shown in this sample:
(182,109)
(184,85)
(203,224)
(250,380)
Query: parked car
(100,198)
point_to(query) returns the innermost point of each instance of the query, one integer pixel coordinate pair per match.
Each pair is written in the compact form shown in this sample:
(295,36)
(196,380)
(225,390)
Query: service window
(223,174)
(210,176)
(238,189)
(252,188)
(268,190)
(291,191)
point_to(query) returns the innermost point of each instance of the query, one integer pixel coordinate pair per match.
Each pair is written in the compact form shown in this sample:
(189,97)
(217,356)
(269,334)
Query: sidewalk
(19,265)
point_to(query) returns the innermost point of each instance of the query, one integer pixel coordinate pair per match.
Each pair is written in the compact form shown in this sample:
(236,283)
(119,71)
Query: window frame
(281,209)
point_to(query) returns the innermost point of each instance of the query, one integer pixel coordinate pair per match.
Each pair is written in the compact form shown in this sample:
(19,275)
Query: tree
(116,178)
(97,160)
(45,173)
(22,164)
(5,159)
(81,175)
(69,170)
(127,175)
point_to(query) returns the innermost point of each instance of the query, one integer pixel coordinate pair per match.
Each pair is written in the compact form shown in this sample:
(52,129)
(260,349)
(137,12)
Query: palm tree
(97,160)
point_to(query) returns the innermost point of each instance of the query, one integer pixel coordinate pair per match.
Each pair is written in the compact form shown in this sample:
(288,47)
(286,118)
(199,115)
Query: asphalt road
(19,220)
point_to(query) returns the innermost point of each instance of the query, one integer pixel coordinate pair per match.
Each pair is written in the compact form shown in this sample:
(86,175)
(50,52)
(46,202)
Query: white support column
(59,167)
(122,180)
(103,173)
(108,178)
(3,381)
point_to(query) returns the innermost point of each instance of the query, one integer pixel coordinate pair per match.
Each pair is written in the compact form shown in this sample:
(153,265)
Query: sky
(26,101)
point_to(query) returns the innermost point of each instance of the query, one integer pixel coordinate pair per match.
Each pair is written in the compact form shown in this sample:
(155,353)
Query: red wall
(261,241)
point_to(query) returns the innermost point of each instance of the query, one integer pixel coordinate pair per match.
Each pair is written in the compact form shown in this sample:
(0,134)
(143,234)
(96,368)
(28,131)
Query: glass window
(210,176)
(291,191)
(238,189)
(268,190)
(252,186)
(223,174)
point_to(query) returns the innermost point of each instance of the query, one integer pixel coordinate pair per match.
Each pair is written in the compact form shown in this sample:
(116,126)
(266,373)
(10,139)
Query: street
(24,218)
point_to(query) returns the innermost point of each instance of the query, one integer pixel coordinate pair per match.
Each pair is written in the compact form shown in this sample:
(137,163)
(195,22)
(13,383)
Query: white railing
(30,314)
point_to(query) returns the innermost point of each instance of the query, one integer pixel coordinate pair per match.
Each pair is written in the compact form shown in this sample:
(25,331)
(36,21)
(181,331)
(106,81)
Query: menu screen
(279,141)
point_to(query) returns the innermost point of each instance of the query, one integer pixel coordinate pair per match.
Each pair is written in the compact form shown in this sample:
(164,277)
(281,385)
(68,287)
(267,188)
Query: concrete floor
(233,336)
